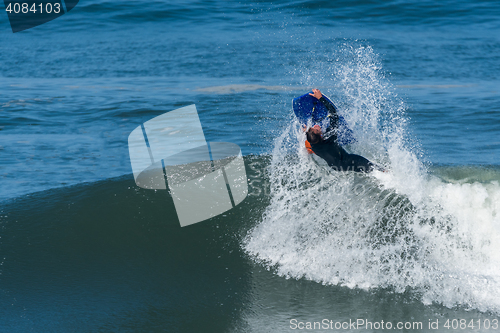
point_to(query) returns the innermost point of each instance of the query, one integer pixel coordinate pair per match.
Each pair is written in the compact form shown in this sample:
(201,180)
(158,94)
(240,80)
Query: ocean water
(83,249)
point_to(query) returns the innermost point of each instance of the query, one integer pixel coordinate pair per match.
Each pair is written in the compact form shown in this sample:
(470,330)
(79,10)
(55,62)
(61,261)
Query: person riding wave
(329,149)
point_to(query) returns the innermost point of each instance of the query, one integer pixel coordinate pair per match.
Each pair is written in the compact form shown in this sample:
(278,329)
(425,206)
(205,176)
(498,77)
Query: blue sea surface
(77,256)
(73,89)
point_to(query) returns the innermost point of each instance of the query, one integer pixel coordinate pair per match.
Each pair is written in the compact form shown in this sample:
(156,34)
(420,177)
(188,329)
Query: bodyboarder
(329,149)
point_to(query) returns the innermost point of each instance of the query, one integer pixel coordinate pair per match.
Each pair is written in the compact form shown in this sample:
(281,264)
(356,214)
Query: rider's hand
(316,93)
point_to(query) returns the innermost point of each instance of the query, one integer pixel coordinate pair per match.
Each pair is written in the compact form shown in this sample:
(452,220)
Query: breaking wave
(408,230)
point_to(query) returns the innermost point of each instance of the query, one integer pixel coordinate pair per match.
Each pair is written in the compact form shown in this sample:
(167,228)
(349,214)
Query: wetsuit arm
(332,111)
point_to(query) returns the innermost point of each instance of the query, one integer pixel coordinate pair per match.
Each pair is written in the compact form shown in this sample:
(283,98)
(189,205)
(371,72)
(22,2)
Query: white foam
(406,229)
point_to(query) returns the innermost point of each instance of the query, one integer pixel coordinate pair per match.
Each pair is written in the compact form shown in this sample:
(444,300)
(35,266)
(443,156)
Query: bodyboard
(310,111)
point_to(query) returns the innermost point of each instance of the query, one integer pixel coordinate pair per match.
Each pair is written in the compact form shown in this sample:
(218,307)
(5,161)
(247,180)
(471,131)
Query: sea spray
(406,230)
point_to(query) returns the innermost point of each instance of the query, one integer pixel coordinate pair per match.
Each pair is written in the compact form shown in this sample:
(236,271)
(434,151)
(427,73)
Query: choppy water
(83,249)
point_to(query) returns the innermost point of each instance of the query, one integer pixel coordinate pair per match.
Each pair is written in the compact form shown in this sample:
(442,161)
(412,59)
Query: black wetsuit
(329,150)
